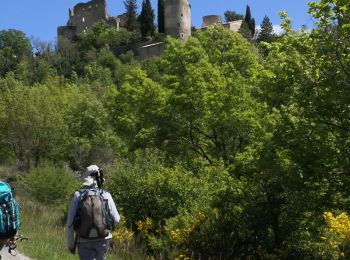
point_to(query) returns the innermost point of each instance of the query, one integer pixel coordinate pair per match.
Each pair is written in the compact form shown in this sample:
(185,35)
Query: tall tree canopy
(249,20)
(146,19)
(161,22)
(14,46)
(266,31)
(131,15)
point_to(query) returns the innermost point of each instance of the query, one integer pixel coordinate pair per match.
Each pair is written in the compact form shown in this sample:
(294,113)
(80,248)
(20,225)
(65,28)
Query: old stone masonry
(83,15)
(177,19)
(177,24)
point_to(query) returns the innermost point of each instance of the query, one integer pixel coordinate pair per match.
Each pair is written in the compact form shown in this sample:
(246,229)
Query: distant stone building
(177,18)
(210,20)
(177,14)
(84,15)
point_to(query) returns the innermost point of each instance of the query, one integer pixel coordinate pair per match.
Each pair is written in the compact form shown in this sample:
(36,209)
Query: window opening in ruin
(83,20)
(182,35)
(182,15)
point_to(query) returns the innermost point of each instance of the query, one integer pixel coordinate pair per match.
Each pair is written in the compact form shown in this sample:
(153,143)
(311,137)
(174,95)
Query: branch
(197,148)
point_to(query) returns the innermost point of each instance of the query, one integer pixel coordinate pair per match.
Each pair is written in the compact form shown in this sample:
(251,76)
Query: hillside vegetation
(218,149)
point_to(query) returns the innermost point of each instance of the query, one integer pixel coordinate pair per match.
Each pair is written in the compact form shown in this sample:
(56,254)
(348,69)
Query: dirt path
(6,256)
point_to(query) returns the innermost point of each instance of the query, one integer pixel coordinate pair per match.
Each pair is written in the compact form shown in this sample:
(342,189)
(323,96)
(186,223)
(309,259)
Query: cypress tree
(248,15)
(146,19)
(161,22)
(131,22)
(249,20)
(253,27)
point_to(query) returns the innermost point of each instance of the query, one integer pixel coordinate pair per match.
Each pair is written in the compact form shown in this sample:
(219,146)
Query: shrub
(336,236)
(50,184)
(176,211)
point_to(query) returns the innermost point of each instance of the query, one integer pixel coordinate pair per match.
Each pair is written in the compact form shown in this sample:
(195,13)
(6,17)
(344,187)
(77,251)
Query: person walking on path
(91,216)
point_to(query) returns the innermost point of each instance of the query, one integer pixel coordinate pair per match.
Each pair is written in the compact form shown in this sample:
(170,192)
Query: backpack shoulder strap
(83,192)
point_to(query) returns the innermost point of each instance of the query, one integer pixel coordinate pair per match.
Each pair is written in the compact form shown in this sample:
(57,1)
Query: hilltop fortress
(177,19)
(83,15)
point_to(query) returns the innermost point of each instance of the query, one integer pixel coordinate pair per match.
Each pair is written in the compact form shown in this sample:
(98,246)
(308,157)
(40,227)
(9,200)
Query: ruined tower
(84,15)
(177,16)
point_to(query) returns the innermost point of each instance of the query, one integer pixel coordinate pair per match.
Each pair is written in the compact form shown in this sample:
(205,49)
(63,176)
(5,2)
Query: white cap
(88,180)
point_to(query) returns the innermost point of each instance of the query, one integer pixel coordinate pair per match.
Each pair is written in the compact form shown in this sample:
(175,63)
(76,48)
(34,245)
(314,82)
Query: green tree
(266,31)
(249,20)
(206,84)
(91,136)
(231,16)
(14,47)
(146,19)
(307,153)
(245,31)
(253,27)
(161,22)
(131,15)
(30,134)
(139,110)
(98,36)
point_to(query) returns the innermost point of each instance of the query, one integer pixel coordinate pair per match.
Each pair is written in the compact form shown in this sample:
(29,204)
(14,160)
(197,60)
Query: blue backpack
(9,212)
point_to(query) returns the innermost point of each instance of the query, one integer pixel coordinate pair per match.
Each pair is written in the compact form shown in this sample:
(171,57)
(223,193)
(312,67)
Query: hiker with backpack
(9,217)
(91,216)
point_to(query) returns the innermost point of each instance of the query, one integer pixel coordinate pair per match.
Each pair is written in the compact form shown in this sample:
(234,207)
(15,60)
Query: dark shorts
(93,249)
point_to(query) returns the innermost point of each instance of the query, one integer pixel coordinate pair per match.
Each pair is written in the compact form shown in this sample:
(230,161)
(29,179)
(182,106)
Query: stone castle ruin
(84,15)
(177,19)
(210,20)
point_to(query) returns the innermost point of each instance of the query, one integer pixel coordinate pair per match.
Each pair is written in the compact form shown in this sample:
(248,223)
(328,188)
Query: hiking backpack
(9,212)
(93,219)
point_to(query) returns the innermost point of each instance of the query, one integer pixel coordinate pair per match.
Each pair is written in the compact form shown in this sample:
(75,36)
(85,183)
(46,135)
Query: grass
(43,226)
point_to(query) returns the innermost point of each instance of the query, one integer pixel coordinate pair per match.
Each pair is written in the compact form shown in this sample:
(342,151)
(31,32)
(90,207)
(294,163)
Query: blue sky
(39,19)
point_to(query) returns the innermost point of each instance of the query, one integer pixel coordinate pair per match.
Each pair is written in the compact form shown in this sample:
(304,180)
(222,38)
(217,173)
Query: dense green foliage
(217,149)
(231,16)
(14,47)
(49,184)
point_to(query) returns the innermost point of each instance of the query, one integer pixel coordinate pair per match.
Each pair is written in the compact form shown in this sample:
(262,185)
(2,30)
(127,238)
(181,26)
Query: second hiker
(91,216)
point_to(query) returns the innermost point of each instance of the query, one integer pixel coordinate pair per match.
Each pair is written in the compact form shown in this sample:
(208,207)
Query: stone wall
(150,50)
(84,15)
(233,26)
(68,32)
(211,19)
